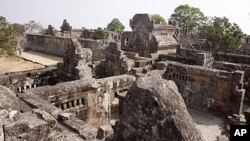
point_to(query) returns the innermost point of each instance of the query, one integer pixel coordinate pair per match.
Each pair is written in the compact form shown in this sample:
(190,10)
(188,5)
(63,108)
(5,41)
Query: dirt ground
(13,64)
(41,58)
(210,126)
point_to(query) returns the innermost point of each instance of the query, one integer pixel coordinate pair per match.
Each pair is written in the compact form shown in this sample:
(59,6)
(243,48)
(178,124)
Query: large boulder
(154,110)
(9,106)
(8,99)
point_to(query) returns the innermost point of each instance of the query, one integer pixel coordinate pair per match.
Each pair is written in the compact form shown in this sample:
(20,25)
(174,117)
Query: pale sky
(98,13)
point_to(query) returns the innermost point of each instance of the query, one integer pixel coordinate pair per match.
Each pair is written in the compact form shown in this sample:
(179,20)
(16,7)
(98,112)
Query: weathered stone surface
(148,37)
(8,99)
(46,117)
(29,127)
(76,62)
(66,116)
(21,81)
(247,115)
(9,106)
(14,115)
(154,110)
(85,130)
(208,90)
(37,102)
(222,138)
(50,31)
(58,45)
(1,133)
(104,131)
(116,62)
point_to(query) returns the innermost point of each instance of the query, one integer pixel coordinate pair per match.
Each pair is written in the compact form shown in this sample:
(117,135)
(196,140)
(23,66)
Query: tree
(188,17)
(116,25)
(33,27)
(224,36)
(18,28)
(99,34)
(7,37)
(158,19)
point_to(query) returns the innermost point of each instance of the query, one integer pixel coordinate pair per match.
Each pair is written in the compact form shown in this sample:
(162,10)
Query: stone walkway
(40,58)
(210,126)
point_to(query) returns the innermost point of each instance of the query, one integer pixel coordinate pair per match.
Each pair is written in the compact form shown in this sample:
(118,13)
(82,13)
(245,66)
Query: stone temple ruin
(138,88)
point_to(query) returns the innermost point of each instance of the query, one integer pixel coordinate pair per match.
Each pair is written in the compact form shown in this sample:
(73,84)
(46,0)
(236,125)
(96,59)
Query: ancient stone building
(147,37)
(50,31)
(87,33)
(21,81)
(65,26)
(110,35)
(108,86)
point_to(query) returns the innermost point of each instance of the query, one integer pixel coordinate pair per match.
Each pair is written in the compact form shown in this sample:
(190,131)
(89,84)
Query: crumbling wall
(88,99)
(47,44)
(208,90)
(233,62)
(233,58)
(20,81)
(38,120)
(190,56)
(58,45)
(76,62)
(233,67)
(116,62)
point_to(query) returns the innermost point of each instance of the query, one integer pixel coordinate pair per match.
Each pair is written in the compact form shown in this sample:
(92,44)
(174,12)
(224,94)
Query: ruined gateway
(137,89)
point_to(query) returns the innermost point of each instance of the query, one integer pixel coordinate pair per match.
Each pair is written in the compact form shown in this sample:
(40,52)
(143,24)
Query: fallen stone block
(104,131)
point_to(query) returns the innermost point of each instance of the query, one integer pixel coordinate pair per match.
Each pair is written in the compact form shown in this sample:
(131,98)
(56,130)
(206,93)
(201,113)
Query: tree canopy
(19,28)
(158,19)
(116,25)
(7,37)
(99,34)
(188,17)
(224,36)
(33,27)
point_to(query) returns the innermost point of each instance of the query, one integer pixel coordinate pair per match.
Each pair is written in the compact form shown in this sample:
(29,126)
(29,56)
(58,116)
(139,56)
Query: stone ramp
(40,58)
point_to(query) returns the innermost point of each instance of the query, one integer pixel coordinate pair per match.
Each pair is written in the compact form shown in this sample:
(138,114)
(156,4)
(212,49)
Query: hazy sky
(98,13)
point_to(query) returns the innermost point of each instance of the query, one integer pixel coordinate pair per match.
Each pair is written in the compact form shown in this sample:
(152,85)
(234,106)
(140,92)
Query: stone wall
(47,44)
(31,118)
(190,57)
(233,58)
(87,99)
(208,90)
(58,45)
(20,81)
(233,67)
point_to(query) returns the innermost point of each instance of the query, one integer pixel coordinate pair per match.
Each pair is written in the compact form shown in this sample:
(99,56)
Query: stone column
(64,106)
(1,133)
(75,103)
